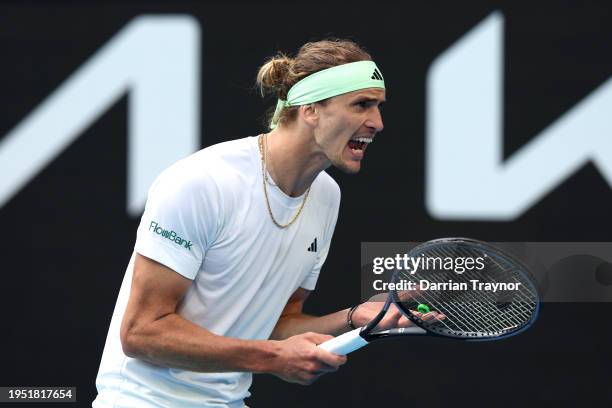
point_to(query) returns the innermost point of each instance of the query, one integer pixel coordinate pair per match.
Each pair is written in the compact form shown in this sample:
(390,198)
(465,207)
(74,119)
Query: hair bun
(272,76)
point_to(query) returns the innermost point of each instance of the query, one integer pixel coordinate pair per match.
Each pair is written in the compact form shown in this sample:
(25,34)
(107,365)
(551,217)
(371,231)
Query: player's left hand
(365,312)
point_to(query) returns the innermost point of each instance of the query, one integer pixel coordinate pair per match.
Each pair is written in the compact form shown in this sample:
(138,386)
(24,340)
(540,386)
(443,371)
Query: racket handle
(345,343)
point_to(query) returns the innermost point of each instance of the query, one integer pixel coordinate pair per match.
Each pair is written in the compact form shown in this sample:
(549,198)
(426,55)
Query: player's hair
(280,72)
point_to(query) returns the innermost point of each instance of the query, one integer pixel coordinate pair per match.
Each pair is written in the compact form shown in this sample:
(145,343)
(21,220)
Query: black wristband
(349,316)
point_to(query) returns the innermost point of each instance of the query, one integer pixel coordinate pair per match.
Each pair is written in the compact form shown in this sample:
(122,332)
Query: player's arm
(152,331)
(293,321)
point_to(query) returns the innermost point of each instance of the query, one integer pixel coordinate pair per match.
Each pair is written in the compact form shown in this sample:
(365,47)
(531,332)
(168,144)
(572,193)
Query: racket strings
(482,312)
(498,273)
(467,316)
(453,315)
(524,289)
(522,299)
(456,316)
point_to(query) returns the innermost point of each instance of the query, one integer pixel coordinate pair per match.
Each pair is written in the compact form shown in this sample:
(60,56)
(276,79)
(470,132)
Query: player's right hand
(300,361)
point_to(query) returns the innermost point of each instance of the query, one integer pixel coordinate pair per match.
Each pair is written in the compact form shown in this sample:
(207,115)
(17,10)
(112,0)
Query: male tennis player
(232,241)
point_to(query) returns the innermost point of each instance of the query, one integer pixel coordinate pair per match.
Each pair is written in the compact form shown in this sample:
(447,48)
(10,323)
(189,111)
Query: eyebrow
(368,99)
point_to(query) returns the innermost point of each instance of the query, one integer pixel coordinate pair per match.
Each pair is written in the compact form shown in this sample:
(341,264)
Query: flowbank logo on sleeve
(171,235)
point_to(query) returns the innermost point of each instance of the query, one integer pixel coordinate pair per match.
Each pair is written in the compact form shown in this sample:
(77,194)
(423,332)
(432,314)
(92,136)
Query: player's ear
(310,114)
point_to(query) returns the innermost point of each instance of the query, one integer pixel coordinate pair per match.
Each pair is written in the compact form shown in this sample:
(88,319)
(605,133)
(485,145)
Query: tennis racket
(492,297)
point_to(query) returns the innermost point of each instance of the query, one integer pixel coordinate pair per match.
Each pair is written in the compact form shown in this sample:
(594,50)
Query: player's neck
(293,160)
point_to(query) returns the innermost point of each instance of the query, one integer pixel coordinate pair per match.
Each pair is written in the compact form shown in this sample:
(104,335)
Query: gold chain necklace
(264,174)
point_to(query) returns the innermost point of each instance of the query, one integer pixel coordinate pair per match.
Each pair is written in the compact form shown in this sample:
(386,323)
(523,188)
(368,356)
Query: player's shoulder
(233,155)
(220,166)
(327,188)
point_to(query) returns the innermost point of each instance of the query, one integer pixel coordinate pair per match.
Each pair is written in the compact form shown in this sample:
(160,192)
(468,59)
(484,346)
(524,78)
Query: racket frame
(393,297)
(355,339)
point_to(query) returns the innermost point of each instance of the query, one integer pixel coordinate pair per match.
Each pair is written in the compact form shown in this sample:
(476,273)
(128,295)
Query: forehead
(369,93)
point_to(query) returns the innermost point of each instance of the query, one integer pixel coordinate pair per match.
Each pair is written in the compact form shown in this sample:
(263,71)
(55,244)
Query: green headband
(330,82)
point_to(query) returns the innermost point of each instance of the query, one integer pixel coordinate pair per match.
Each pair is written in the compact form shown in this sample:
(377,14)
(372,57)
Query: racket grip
(345,343)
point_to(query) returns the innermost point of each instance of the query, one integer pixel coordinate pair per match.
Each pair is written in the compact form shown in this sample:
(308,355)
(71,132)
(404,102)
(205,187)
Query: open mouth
(359,143)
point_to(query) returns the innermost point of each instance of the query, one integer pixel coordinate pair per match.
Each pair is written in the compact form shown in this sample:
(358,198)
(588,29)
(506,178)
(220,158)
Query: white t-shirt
(206,218)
